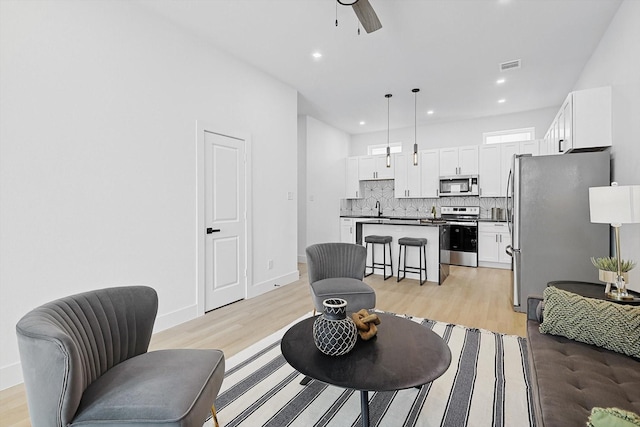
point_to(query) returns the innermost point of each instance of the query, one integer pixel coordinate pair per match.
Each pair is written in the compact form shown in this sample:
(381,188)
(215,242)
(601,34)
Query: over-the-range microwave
(459,185)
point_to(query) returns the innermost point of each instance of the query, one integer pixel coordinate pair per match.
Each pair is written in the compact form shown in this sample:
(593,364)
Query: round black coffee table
(402,355)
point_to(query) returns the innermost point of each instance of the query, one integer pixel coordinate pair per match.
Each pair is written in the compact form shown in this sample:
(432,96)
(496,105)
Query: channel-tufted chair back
(67,344)
(329,260)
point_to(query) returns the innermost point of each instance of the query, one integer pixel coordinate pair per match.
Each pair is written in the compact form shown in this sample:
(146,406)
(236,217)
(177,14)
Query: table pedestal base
(364,405)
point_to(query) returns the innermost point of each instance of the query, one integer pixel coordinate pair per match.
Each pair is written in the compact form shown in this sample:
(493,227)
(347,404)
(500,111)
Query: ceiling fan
(365,13)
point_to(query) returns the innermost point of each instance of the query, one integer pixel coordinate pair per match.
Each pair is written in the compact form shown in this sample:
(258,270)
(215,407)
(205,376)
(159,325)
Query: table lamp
(616,205)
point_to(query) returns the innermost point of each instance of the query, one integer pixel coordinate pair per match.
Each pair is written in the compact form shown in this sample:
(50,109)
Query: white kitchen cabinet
(489,174)
(459,161)
(347,230)
(495,163)
(493,238)
(352,181)
(531,147)
(583,122)
(507,151)
(407,177)
(429,163)
(375,167)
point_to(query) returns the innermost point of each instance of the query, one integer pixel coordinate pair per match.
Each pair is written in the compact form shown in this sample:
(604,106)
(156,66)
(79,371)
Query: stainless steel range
(460,234)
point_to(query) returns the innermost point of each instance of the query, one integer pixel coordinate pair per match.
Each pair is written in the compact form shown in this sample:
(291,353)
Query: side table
(592,290)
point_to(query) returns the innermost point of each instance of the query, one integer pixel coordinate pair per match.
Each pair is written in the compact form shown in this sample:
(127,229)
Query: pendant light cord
(415,126)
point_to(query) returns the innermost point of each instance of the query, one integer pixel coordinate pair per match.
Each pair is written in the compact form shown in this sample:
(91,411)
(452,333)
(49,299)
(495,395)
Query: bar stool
(381,240)
(419,243)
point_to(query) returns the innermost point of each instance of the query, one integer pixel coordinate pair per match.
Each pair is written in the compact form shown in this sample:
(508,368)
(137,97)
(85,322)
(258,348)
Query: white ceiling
(450,49)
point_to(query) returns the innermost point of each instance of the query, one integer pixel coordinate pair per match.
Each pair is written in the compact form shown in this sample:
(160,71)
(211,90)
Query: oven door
(461,243)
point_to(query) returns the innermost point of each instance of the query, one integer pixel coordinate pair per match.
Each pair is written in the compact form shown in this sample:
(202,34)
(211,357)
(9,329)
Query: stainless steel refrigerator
(552,237)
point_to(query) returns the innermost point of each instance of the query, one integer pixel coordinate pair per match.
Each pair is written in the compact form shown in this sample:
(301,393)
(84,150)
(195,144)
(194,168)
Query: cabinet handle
(501,238)
(560,141)
(496,238)
(351,230)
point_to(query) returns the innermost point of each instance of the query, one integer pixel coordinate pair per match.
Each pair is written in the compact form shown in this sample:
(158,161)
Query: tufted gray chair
(336,270)
(85,362)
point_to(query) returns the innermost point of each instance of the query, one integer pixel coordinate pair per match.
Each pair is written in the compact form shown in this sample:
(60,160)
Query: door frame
(201,128)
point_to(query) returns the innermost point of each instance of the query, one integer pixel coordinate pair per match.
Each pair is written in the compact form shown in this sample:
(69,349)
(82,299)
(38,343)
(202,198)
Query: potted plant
(608,269)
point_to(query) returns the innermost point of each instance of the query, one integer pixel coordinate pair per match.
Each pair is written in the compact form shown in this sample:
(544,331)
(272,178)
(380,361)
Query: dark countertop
(403,220)
(413,221)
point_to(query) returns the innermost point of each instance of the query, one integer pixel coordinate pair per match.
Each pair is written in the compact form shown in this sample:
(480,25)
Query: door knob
(212,230)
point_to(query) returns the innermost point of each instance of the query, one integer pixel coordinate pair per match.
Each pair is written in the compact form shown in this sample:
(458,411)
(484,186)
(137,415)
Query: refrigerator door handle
(506,201)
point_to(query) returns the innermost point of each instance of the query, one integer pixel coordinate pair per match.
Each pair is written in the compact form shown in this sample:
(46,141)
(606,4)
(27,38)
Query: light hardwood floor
(475,297)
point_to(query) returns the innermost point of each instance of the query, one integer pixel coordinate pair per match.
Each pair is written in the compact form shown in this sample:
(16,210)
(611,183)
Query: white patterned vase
(334,333)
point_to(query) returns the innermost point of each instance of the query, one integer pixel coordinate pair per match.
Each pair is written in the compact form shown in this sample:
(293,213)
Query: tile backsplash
(382,191)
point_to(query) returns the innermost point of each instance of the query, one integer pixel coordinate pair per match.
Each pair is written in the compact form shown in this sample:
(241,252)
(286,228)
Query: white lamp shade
(615,204)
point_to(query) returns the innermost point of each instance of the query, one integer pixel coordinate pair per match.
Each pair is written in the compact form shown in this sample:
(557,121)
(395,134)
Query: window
(396,147)
(513,135)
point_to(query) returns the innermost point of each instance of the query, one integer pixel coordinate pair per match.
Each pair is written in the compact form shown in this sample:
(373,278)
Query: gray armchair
(336,270)
(85,362)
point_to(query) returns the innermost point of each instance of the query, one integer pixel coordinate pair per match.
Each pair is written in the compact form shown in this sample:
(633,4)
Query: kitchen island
(437,264)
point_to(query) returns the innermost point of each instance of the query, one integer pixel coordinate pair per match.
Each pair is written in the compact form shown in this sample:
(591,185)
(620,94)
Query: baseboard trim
(494,265)
(10,375)
(271,284)
(175,318)
(302,259)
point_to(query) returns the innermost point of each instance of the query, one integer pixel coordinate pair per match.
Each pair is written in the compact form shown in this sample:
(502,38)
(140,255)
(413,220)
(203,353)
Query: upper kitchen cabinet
(459,161)
(583,122)
(429,173)
(375,167)
(495,164)
(530,147)
(489,175)
(407,177)
(352,184)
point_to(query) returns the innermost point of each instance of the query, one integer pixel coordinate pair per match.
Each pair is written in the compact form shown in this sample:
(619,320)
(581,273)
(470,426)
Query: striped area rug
(487,384)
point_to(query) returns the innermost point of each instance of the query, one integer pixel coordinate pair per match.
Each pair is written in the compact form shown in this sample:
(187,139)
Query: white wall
(326,149)
(616,62)
(98,157)
(302,187)
(455,134)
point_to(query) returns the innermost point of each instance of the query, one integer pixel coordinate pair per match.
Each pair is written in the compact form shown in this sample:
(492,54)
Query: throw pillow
(612,417)
(593,321)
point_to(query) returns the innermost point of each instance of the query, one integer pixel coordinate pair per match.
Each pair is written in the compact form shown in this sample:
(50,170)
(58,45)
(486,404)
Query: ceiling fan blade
(367,16)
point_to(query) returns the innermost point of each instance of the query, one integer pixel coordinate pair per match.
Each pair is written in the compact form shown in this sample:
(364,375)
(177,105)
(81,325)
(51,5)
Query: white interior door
(225,220)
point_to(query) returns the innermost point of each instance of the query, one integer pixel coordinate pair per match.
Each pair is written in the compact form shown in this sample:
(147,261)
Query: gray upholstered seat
(337,270)
(85,362)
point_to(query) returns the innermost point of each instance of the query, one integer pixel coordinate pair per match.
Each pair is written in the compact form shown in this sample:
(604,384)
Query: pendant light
(388,146)
(415,121)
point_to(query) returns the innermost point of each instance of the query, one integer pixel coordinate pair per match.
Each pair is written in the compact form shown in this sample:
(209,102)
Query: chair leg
(373,249)
(424,253)
(214,416)
(390,261)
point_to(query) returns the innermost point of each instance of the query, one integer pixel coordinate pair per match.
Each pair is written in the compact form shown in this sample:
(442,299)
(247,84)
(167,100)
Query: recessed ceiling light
(430,112)
(502,101)
(316,55)
(500,81)
(362,123)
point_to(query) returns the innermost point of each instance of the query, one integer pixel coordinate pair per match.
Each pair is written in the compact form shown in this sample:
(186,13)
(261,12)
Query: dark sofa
(569,378)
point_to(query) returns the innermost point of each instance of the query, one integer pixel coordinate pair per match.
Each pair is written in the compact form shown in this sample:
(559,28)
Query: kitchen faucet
(378,208)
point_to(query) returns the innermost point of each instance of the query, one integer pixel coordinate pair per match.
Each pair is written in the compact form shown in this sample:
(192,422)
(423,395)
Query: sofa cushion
(602,323)
(154,388)
(613,417)
(358,294)
(569,378)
